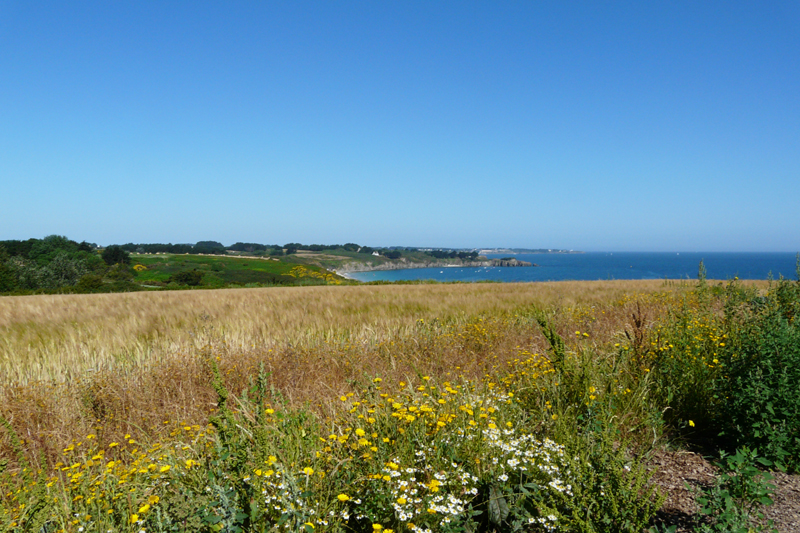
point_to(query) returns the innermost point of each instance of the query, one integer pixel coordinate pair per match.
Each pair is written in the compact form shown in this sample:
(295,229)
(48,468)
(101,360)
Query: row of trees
(442,254)
(202,247)
(214,247)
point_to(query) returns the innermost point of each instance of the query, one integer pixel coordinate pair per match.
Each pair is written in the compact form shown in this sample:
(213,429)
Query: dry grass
(61,337)
(137,363)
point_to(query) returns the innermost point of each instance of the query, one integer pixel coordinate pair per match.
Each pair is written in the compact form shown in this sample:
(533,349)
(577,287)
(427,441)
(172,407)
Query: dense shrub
(63,271)
(119,272)
(759,393)
(8,279)
(89,283)
(727,367)
(115,254)
(187,277)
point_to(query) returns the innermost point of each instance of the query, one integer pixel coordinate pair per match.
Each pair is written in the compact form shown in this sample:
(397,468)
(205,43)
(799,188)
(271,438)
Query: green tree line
(56,262)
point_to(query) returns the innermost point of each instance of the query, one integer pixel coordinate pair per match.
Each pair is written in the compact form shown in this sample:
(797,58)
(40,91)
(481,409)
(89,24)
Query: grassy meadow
(437,407)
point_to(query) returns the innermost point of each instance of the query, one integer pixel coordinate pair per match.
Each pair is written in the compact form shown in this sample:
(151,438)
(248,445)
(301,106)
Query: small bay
(607,265)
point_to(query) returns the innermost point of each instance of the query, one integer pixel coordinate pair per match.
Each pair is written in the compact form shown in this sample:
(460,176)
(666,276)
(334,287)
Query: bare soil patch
(677,473)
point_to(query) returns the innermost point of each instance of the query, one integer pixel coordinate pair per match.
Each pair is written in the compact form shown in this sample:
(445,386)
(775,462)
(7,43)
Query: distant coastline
(351,267)
(608,266)
(515,251)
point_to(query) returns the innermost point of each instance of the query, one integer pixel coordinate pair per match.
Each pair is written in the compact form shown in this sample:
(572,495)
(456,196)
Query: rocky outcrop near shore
(513,262)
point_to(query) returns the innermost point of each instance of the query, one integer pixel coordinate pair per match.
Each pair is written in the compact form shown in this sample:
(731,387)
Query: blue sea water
(607,265)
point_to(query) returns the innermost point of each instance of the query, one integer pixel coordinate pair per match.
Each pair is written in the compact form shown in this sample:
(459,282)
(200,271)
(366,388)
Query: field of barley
(442,407)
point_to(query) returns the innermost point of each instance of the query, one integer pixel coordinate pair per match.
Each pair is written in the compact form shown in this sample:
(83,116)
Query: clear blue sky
(616,126)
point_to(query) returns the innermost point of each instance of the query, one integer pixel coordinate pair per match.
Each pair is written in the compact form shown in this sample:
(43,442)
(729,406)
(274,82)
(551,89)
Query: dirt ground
(677,469)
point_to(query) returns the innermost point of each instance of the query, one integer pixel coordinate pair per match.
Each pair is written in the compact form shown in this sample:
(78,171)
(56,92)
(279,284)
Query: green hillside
(165,270)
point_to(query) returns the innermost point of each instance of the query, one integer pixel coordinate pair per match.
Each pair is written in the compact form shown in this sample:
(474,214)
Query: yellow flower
(401,500)
(164,469)
(691,423)
(376,527)
(144,508)
(343,497)
(308,471)
(134,518)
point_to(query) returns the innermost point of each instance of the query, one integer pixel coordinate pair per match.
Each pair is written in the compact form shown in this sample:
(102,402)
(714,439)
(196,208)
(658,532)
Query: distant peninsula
(404,263)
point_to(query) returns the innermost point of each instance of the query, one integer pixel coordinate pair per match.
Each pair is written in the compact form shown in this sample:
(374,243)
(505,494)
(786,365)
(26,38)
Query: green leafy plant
(758,392)
(612,493)
(732,504)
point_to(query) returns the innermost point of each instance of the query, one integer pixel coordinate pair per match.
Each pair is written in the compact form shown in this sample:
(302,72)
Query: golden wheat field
(61,337)
(138,363)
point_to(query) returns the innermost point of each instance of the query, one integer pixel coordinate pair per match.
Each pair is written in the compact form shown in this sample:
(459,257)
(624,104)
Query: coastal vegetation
(474,407)
(58,265)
